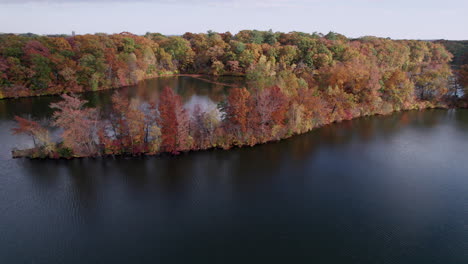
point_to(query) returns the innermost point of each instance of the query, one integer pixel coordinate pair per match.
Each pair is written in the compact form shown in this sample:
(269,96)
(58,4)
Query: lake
(382,189)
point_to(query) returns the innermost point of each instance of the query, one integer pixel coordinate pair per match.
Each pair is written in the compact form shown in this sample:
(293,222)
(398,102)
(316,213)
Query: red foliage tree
(238,108)
(129,124)
(183,121)
(168,120)
(118,123)
(272,106)
(36,47)
(28,127)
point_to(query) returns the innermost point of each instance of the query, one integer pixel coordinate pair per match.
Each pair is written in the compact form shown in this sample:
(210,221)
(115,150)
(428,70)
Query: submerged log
(22,153)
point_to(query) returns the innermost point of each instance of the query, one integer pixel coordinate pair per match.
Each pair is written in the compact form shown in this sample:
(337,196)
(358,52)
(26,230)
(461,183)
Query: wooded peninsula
(295,82)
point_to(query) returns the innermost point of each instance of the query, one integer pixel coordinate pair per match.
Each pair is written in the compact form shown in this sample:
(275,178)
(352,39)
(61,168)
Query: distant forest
(37,65)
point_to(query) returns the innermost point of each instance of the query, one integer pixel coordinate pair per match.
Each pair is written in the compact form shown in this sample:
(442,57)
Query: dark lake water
(383,189)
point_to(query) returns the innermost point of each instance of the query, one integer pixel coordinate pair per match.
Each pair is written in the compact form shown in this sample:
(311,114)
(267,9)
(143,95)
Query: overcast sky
(417,19)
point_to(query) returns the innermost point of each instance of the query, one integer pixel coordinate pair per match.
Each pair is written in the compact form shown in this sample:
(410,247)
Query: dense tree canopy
(294,83)
(35,65)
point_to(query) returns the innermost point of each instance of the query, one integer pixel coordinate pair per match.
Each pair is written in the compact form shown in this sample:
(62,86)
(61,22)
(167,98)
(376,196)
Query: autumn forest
(294,82)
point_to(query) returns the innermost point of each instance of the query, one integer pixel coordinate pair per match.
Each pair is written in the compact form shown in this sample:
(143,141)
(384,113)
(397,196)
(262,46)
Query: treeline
(37,65)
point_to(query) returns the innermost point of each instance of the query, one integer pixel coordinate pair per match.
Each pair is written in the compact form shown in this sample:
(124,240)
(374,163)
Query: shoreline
(192,75)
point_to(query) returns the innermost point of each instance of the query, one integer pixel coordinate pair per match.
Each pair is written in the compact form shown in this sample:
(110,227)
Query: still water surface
(384,189)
